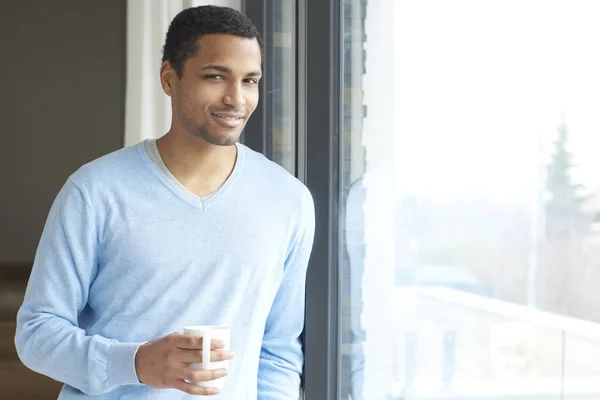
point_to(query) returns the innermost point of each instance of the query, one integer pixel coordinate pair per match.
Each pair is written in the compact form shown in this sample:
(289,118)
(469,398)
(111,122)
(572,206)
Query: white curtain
(147,108)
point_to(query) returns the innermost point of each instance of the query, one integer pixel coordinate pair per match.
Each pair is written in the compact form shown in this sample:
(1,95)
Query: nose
(234,96)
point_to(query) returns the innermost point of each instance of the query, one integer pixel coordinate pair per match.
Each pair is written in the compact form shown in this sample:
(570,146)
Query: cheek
(198,99)
(208,93)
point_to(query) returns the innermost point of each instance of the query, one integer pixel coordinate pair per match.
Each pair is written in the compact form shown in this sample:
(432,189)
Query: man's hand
(163,363)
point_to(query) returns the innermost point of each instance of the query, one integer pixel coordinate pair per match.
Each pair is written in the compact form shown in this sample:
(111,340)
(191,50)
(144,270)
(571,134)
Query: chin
(220,137)
(223,139)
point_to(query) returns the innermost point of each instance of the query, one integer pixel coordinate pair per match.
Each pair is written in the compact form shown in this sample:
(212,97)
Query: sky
(481,86)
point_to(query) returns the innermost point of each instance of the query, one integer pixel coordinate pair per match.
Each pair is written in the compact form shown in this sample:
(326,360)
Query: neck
(200,166)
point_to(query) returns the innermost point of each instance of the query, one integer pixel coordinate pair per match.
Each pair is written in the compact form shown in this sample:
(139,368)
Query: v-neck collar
(178,188)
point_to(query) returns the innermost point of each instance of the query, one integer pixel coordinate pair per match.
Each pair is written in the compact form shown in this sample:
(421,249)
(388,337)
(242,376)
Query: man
(190,229)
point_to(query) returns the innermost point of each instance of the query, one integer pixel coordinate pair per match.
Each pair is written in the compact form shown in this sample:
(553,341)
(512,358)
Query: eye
(215,77)
(251,81)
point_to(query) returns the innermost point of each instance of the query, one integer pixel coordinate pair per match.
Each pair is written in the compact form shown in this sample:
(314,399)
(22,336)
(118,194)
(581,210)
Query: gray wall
(62,80)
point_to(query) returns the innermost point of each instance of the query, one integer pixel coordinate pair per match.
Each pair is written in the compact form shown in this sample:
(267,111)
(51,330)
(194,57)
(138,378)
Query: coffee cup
(209,333)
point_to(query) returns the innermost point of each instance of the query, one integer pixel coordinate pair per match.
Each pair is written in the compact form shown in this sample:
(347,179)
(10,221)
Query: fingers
(203,375)
(193,389)
(194,342)
(193,356)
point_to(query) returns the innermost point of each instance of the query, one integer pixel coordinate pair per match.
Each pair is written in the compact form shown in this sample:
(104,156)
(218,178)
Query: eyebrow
(226,70)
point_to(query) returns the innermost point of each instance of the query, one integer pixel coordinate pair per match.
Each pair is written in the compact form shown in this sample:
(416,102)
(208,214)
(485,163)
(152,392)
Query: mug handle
(206,345)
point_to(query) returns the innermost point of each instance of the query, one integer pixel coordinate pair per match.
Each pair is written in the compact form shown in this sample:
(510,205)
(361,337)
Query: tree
(563,216)
(565,271)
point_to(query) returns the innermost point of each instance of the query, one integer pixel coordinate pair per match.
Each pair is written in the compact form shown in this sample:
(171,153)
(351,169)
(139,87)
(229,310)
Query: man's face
(218,89)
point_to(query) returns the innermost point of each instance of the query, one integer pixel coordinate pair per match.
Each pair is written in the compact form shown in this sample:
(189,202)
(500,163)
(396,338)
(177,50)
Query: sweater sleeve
(48,338)
(281,357)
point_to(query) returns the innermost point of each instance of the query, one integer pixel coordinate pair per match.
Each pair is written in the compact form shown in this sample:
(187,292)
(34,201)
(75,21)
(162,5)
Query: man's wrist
(121,366)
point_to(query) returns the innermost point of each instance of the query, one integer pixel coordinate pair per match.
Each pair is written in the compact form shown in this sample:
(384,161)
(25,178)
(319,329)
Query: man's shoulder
(274,174)
(108,168)
(279,188)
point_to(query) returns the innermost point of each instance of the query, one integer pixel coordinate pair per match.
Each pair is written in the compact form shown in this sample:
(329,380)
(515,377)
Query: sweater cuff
(121,364)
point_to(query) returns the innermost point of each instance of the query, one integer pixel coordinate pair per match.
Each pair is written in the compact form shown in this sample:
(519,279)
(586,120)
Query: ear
(168,77)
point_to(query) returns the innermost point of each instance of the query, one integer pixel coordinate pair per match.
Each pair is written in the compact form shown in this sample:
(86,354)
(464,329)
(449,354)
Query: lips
(228,120)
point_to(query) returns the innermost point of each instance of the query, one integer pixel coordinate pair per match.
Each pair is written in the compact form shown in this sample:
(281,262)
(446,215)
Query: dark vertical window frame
(321,32)
(318,123)
(258,133)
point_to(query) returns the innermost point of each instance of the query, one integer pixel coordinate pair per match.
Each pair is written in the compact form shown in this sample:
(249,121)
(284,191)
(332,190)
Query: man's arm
(48,339)
(281,357)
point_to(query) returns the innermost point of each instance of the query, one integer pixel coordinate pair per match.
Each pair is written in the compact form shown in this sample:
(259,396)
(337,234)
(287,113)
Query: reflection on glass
(471,192)
(352,335)
(282,95)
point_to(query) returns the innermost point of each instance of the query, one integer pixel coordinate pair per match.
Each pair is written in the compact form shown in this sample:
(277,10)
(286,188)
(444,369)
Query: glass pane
(471,200)
(282,72)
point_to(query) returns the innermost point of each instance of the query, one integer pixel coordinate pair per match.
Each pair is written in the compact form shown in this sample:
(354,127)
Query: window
(283,84)
(469,183)
(452,151)
(272,129)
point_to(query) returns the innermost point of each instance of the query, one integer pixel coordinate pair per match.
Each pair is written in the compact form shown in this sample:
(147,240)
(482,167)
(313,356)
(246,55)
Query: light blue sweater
(127,256)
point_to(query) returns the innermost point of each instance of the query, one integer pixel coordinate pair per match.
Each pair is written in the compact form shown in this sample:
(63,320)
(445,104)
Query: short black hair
(192,23)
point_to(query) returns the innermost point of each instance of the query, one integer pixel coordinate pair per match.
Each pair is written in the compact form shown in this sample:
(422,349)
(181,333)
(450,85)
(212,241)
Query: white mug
(208,333)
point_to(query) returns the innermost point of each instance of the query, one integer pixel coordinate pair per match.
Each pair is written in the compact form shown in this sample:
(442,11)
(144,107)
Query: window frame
(322,30)
(318,125)
(258,131)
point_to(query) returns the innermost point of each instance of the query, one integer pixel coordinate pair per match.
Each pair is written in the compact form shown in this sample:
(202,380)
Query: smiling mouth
(228,117)
(228,120)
